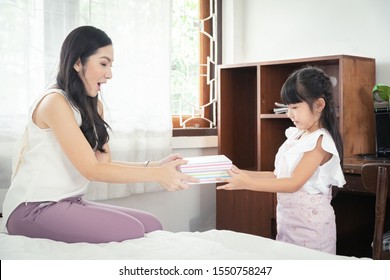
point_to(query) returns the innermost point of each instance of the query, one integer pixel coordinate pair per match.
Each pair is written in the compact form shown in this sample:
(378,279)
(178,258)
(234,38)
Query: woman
(65,146)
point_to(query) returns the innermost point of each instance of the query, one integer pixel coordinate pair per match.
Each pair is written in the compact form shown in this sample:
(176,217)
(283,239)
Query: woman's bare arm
(55,113)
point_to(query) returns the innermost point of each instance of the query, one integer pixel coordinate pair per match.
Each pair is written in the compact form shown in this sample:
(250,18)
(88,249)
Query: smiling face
(97,69)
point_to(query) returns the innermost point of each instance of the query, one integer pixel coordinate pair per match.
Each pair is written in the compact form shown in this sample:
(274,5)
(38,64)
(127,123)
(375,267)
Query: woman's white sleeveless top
(41,171)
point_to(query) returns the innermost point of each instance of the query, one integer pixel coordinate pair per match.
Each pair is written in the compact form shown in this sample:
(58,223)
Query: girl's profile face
(97,70)
(303,117)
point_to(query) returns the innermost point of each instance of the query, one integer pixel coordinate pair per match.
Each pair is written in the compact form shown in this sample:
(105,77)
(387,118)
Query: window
(194,61)
(42,25)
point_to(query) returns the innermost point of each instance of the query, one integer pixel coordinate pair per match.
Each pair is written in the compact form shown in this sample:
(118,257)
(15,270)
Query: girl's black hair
(81,43)
(307,85)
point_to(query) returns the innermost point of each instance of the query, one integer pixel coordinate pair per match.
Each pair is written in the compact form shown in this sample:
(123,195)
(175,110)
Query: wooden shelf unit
(250,134)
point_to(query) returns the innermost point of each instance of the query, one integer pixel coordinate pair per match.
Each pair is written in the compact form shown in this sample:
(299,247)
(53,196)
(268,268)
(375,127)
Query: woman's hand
(238,180)
(170,177)
(168,159)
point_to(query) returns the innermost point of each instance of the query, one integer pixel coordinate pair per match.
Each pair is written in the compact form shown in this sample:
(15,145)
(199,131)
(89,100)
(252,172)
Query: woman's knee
(131,230)
(150,222)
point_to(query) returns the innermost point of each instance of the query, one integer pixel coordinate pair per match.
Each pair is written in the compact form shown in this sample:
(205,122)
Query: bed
(162,245)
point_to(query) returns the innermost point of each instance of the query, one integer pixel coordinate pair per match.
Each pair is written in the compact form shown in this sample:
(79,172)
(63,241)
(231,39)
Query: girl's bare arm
(303,171)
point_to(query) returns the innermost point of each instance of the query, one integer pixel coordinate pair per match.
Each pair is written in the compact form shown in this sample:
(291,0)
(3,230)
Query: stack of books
(280,108)
(207,168)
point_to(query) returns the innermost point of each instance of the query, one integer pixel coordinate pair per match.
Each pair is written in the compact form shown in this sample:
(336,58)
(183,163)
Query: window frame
(204,88)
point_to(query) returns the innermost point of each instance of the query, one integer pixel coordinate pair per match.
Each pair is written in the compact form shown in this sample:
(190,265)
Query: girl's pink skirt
(306,220)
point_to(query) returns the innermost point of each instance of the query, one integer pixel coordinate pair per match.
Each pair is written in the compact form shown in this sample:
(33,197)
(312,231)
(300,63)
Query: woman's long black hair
(81,43)
(307,85)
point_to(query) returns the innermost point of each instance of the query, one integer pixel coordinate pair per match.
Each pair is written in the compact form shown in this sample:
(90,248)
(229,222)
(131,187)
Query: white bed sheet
(162,245)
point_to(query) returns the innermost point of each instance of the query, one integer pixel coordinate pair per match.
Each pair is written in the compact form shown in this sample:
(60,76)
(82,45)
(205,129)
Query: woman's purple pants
(77,220)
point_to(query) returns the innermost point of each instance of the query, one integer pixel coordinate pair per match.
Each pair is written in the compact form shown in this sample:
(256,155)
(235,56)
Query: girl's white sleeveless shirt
(289,154)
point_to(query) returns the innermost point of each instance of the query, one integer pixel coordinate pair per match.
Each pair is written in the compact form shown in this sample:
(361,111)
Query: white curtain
(137,104)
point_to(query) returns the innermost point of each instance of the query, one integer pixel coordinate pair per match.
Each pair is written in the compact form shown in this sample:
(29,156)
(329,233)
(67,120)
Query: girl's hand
(237,181)
(171,178)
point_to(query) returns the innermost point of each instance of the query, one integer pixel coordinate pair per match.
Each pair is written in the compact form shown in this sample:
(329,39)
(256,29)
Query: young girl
(65,146)
(307,165)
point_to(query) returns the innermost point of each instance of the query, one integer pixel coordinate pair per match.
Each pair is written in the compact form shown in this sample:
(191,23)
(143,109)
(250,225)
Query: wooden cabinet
(249,133)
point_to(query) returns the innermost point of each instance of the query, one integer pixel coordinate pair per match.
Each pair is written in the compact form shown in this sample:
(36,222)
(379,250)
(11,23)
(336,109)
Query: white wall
(265,30)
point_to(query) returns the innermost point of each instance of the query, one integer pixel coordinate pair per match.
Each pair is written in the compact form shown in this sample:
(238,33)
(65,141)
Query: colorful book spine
(207,168)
